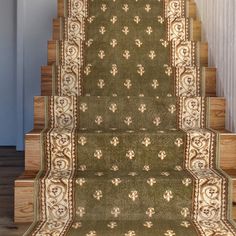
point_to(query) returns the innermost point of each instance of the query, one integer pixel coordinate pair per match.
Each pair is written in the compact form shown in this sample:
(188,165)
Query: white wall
(7,73)
(25,27)
(219,22)
(37,30)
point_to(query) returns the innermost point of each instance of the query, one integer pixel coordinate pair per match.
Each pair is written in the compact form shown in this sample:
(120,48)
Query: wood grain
(228,151)
(216,111)
(209,75)
(47,74)
(52,52)
(196,32)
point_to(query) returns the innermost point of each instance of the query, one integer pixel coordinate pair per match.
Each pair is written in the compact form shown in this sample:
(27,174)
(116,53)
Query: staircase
(116,114)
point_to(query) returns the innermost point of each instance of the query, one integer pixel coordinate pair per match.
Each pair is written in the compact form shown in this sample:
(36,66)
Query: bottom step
(24,196)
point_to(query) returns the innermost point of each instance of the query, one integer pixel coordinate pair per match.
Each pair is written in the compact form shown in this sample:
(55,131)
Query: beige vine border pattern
(57,197)
(71,50)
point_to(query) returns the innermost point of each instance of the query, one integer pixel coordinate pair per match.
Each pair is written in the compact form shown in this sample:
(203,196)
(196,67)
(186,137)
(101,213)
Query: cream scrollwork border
(56,186)
(210,192)
(187,81)
(191,112)
(71,50)
(174,8)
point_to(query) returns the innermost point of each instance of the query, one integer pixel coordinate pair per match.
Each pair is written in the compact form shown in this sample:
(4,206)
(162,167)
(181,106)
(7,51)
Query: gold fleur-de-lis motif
(140,69)
(113,43)
(91,19)
(130,154)
(101,54)
(155,84)
(128,84)
(99,174)
(168,195)
(185,224)
(125,30)
(186,181)
(83,167)
(128,120)
(113,107)
(91,233)
(168,70)
(98,120)
(77,225)
(157,121)
(126,54)
(102,30)
(160,19)
(82,140)
(151,181)
(98,154)
(185,212)
(115,211)
(164,43)
(100,83)
(81,181)
(152,54)
(114,19)
(89,42)
(83,107)
(133,195)
(172,109)
(114,69)
(114,168)
(132,174)
(116,181)
(162,155)
(137,19)
(150,212)
(142,108)
(149,30)
(148,224)
(87,69)
(112,225)
(104,7)
(80,211)
(146,141)
(114,141)
(147,7)
(178,168)
(165,174)
(179,142)
(138,42)
(125,7)
(169,233)
(98,195)
(146,168)
(130,233)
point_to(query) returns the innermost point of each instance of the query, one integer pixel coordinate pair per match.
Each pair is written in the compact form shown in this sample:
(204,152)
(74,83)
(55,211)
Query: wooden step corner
(24,198)
(216,113)
(196,30)
(209,81)
(48,73)
(53,52)
(33,150)
(203,53)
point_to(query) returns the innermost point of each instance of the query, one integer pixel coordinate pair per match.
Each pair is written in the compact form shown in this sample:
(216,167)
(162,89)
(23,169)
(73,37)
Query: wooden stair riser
(191,8)
(215,112)
(33,147)
(48,74)
(228,151)
(54,53)
(24,190)
(59,29)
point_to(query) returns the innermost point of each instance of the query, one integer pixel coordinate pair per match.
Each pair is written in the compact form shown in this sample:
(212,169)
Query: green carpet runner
(126,151)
